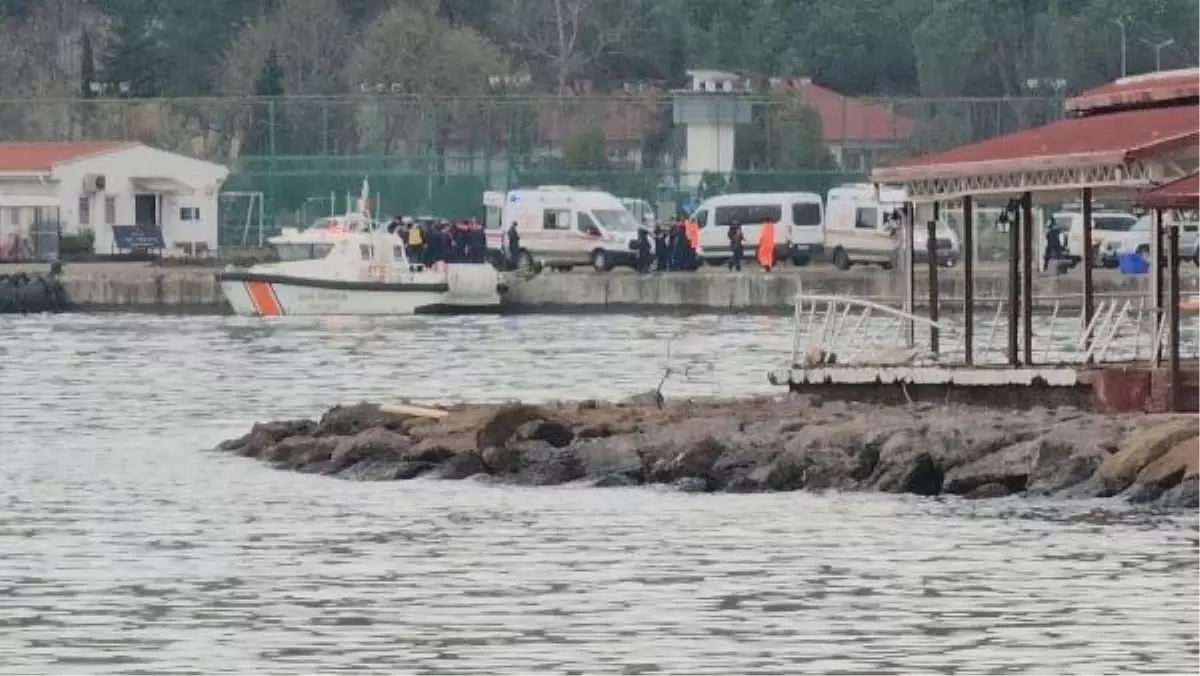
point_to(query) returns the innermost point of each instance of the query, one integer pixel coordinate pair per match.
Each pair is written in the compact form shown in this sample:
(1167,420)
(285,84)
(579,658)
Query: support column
(931,251)
(1156,280)
(1088,305)
(1014,284)
(1027,279)
(910,272)
(968,245)
(1173,315)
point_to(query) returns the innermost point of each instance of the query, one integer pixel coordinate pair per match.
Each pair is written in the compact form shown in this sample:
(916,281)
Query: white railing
(839,330)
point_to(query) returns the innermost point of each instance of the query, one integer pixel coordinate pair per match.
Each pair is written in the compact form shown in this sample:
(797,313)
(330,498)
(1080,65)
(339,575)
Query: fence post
(272,181)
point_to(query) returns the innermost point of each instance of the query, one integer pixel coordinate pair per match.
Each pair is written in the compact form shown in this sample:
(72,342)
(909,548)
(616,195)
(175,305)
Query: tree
(87,66)
(396,51)
(784,136)
(563,36)
(135,54)
(587,151)
(268,86)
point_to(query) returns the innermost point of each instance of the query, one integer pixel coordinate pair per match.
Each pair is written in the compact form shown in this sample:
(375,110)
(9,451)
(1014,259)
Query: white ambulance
(562,227)
(863,225)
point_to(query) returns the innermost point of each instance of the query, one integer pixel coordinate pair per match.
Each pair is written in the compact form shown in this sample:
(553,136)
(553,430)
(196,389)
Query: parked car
(1137,240)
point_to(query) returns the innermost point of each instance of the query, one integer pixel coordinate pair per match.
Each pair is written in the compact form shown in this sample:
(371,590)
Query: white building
(95,185)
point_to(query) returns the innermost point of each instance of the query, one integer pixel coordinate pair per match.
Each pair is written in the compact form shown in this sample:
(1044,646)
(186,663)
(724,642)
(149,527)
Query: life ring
(376,271)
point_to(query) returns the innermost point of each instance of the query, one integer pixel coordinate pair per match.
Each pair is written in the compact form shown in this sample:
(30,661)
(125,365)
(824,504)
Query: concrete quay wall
(147,288)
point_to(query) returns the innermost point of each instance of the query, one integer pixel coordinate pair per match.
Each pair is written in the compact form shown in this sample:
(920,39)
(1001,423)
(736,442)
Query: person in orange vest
(766,246)
(693,237)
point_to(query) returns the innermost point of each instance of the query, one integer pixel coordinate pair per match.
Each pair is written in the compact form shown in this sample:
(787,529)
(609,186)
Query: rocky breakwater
(778,444)
(22,293)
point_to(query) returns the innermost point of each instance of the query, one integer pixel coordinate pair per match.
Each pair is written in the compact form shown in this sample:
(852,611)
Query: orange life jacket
(766,245)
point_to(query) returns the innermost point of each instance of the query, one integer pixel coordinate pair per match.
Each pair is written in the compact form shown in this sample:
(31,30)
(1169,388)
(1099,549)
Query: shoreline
(761,444)
(144,288)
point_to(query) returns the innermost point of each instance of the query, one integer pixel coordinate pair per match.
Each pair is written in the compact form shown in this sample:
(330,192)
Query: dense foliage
(884,47)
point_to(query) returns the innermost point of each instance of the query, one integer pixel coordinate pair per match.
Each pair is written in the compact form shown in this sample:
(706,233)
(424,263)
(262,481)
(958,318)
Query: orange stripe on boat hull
(263,298)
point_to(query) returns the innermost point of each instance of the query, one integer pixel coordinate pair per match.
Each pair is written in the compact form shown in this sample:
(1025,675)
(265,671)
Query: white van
(561,227)
(863,226)
(799,222)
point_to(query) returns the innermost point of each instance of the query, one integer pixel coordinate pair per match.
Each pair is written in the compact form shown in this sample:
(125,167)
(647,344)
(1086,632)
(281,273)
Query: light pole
(1121,22)
(1158,47)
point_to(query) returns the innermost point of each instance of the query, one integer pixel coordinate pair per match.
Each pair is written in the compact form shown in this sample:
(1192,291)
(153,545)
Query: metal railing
(837,330)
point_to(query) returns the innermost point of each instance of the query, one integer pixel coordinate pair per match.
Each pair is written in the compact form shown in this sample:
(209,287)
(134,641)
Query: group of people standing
(677,246)
(430,242)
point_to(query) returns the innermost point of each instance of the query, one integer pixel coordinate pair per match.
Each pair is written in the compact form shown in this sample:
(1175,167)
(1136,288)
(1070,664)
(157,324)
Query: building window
(85,210)
(189,213)
(110,210)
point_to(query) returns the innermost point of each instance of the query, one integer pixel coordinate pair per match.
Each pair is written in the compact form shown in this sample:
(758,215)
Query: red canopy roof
(1097,140)
(1183,193)
(1138,90)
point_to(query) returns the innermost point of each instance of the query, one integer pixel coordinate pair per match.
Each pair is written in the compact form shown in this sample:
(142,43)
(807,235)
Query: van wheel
(600,261)
(525,262)
(841,260)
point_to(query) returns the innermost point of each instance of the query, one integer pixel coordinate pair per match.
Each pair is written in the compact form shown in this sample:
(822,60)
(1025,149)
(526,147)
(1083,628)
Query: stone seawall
(148,288)
(750,445)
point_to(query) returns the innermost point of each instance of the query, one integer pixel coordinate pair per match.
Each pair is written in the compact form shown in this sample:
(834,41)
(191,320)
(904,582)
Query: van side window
(806,213)
(761,213)
(701,217)
(866,218)
(726,216)
(585,224)
(554,219)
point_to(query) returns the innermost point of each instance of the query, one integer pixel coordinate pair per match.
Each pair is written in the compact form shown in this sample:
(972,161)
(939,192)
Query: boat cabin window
(367,251)
(555,219)
(866,218)
(301,251)
(585,224)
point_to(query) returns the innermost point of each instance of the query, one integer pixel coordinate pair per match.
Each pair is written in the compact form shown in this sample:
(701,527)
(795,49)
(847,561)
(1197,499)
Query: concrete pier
(142,287)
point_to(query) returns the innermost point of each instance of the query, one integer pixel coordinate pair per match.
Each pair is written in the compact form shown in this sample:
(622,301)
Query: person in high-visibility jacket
(416,242)
(692,228)
(766,246)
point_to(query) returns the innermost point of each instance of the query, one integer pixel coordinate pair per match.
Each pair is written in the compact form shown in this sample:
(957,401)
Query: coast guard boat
(364,272)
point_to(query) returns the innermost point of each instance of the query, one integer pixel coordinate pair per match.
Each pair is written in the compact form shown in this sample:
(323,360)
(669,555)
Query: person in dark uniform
(514,245)
(660,247)
(643,250)
(737,246)
(679,246)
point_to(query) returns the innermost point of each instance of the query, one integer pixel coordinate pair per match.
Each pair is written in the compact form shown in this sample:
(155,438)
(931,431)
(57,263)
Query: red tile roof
(1181,193)
(1081,141)
(844,118)
(23,157)
(1127,92)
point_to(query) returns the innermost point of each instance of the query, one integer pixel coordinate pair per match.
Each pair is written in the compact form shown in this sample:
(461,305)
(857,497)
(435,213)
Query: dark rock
(440,448)
(502,425)
(615,456)
(550,431)
(302,453)
(614,481)
(461,466)
(785,473)
(350,420)
(905,467)
(693,460)
(1143,493)
(988,491)
(377,443)
(1184,495)
(1064,460)
(542,464)
(383,469)
(501,459)
(1009,467)
(265,435)
(691,484)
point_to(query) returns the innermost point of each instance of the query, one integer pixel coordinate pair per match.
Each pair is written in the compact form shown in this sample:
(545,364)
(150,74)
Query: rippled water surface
(126,547)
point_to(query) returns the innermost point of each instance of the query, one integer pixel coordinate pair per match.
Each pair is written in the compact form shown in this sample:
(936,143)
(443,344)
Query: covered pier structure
(1133,141)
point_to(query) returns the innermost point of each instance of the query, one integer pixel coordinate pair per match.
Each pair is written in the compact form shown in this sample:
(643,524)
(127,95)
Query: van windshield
(615,219)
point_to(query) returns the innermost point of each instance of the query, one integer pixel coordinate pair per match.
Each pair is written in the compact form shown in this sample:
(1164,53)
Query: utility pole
(1158,47)
(1121,22)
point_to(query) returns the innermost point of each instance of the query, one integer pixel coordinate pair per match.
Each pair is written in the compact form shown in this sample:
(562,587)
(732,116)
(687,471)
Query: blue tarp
(1133,264)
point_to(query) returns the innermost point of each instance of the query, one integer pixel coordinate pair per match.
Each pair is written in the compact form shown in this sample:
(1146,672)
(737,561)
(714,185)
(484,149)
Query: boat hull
(273,296)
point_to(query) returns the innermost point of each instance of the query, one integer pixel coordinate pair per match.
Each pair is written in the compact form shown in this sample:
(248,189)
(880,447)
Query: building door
(145,210)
